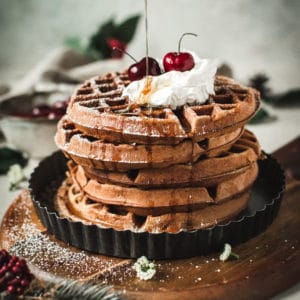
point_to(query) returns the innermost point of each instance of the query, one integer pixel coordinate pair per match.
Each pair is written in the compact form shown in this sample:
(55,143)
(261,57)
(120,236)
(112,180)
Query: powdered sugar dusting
(28,238)
(44,252)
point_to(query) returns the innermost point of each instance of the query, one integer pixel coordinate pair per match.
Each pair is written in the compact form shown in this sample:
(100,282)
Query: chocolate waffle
(98,109)
(156,201)
(204,172)
(89,151)
(75,205)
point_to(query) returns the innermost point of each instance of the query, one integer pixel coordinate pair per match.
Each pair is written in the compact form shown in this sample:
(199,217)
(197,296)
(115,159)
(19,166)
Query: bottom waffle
(75,205)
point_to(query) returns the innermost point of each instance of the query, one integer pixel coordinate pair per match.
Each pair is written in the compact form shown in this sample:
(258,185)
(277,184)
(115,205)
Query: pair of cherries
(172,61)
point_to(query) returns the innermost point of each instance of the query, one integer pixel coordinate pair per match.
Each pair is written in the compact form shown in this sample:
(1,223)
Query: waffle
(89,151)
(98,109)
(156,201)
(204,172)
(73,204)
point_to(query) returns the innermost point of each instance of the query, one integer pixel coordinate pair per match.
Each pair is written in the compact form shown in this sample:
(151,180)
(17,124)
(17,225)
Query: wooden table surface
(268,264)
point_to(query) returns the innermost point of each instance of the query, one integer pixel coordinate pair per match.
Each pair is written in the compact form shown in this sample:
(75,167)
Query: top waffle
(98,109)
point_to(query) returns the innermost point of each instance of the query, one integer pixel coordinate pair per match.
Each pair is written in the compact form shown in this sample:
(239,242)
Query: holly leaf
(262,116)
(98,40)
(289,98)
(126,30)
(9,157)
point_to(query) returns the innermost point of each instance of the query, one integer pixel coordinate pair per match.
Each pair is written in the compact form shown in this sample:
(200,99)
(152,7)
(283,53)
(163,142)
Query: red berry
(22,263)
(16,270)
(11,289)
(24,282)
(14,282)
(14,258)
(4,252)
(117,47)
(4,269)
(14,274)
(138,70)
(9,275)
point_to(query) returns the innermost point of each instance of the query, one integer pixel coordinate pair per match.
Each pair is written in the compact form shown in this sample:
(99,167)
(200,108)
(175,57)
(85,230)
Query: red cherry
(41,110)
(16,270)
(179,61)
(183,61)
(52,115)
(138,70)
(59,104)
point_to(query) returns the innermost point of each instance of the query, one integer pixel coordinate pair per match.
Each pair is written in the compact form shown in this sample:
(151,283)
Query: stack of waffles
(154,169)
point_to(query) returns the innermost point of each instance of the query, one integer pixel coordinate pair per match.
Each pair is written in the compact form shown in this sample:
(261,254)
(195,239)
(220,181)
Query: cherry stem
(123,51)
(186,33)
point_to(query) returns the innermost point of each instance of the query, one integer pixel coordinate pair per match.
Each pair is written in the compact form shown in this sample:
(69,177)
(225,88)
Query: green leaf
(262,116)
(98,40)
(289,98)
(93,53)
(126,30)
(97,46)
(74,43)
(9,157)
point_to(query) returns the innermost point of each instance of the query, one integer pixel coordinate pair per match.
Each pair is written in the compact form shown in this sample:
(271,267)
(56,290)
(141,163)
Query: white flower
(145,269)
(15,175)
(227,253)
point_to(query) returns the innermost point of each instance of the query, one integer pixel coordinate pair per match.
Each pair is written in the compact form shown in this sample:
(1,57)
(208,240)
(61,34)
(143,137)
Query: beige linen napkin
(60,71)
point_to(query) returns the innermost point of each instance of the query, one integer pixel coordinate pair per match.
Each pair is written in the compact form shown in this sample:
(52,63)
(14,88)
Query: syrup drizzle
(146,92)
(147,38)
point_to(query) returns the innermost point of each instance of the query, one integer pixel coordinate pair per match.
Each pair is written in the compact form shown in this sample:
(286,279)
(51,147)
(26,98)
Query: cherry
(179,61)
(139,70)
(41,110)
(59,104)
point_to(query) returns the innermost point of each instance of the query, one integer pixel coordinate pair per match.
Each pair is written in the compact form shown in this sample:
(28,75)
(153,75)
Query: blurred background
(251,35)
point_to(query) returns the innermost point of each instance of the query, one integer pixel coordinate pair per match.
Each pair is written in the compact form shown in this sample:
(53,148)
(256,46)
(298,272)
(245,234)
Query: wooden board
(268,264)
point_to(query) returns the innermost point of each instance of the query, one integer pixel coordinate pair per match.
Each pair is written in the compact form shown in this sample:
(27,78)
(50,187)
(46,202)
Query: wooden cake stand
(267,264)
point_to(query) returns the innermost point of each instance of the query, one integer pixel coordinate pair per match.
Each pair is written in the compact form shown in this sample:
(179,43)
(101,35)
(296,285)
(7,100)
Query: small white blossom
(227,253)
(15,176)
(145,269)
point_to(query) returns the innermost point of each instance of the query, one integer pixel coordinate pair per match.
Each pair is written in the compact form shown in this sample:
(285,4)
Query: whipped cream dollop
(173,89)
